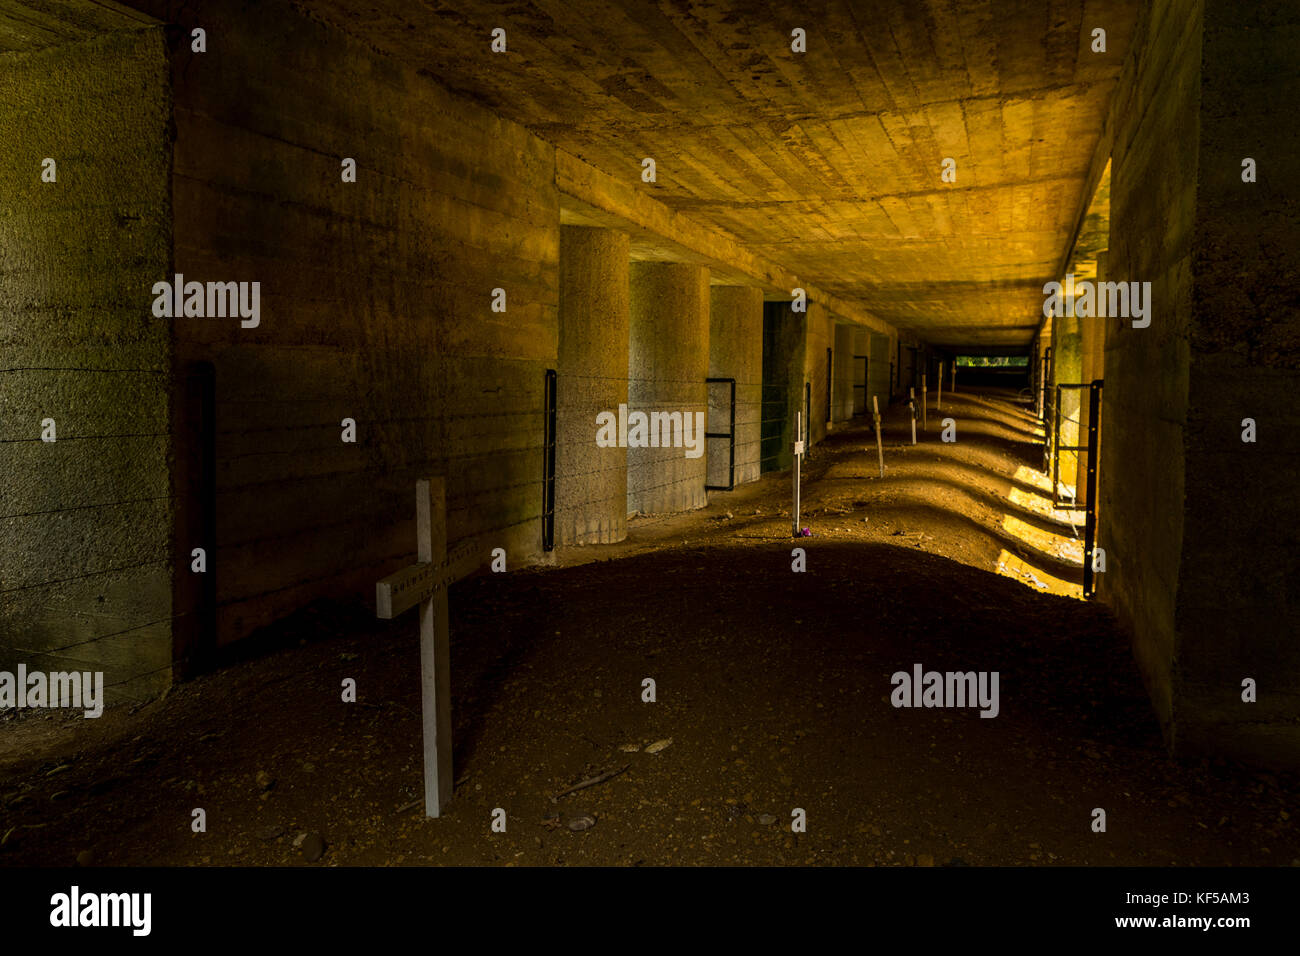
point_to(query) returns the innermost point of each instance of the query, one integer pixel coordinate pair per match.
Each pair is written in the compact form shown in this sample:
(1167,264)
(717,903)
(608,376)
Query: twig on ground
(591,782)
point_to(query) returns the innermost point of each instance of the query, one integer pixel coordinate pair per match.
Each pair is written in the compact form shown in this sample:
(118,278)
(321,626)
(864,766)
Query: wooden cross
(911,407)
(425,583)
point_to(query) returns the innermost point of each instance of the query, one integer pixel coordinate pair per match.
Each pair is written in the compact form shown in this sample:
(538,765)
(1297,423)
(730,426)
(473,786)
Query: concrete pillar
(843,378)
(862,347)
(1067,367)
(668,361)
(90,545)
(591,482)
(878,372)
(736,351)
(1092,344)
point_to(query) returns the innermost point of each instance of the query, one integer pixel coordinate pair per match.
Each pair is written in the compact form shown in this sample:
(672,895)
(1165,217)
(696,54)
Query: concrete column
(736,351)
(1067,367)
(820,332)
(668,361)
(842,380)
(591,482)
(861,397)
(1092,344)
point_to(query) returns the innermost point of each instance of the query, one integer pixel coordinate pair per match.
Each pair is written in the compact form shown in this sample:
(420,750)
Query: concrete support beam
(736,351)
(591,197)
(595,310)
(668,361)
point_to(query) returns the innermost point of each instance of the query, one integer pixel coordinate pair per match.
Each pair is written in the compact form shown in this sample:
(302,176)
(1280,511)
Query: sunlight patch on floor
(1067,546)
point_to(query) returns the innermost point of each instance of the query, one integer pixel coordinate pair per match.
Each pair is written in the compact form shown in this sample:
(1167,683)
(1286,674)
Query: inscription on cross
(425,583)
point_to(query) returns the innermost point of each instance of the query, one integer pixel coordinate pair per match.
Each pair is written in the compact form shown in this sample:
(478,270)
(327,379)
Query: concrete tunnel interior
(1017,305)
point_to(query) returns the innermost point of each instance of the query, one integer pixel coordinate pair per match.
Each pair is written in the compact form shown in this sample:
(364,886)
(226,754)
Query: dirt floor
(773,690)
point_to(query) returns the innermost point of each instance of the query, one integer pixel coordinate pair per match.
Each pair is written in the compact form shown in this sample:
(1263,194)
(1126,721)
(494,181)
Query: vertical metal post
(548,463)
(880,451)
(1090,518)
(731,462)
(1052,443)
(911,410)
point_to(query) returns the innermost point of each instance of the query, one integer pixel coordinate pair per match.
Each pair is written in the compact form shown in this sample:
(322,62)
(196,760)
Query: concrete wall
(667,365)
(1237,614)
(595,306)
(736,351)
(842,380)
(1153,205)
(86,521)
(376,305)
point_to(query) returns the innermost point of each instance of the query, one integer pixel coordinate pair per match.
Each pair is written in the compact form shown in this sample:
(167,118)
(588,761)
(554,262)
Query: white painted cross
(911,407)
(880,451)
(425,583)
(798,458)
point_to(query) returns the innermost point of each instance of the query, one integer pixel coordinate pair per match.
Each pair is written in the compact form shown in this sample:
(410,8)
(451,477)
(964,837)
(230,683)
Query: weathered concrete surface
(86,521)
(819,336)
(842,380)
(376,301)
(878,371)
(667,365)
(1184,500)
(28,25)
(1236,614)
(1067,369)
(595,309)
(827,161)
(660,234)
(736,351)
(1153,209)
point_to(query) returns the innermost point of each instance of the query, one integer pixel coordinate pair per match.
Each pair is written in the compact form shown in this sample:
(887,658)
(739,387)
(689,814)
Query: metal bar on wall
(1090,519)
(548,466)
(730,435)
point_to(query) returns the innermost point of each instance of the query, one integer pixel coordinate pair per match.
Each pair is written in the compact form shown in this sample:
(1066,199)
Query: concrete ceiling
(35,24)
(827,162)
